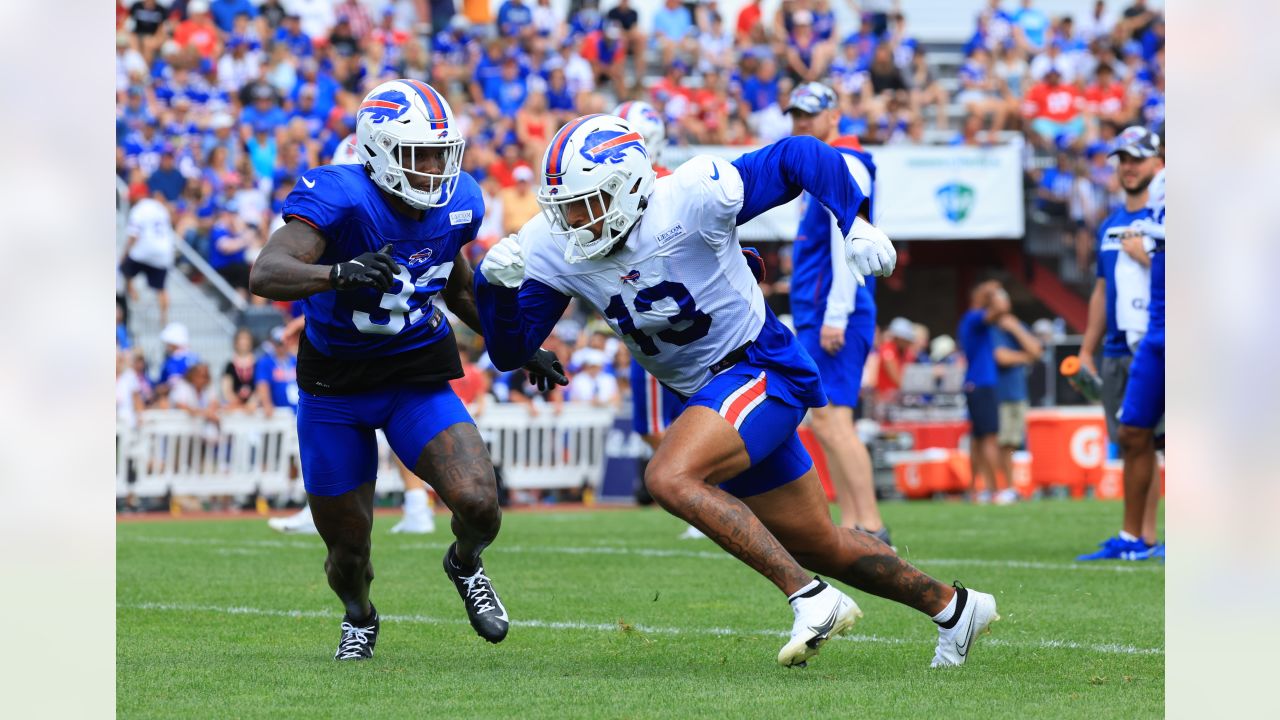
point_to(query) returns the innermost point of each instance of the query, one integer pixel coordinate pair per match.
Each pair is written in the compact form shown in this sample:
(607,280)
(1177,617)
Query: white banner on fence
(944,193)
(923,192)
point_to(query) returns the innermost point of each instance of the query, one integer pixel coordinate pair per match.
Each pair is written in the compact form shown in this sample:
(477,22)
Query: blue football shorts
(767,426)
(1143,405)
(841,373)
(336,433)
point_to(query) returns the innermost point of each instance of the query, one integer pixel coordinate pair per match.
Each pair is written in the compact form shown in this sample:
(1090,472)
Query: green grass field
(613,616)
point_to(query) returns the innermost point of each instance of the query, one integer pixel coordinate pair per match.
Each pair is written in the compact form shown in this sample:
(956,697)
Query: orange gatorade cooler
(1067,445)
(918,475)
(1022,481)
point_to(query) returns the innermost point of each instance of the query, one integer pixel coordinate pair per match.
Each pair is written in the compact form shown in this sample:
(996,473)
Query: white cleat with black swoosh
(975,611)
(821,613)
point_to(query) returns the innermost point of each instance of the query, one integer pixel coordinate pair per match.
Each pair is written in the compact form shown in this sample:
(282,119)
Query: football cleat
(975,611)
(484,609)
(692,533)
(358,640)
(297,524)
(418,523)
(820,613)
(1117,548)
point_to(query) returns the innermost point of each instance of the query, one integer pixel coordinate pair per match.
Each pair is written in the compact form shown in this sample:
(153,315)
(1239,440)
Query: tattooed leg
(798,515)
(699,450)
(456,464)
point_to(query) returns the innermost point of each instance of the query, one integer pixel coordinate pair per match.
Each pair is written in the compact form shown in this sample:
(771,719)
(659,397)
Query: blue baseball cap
(811,98)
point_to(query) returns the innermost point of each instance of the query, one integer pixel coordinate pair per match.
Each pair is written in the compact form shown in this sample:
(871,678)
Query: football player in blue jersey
(1118,312)
(835,317)
(367,247)
(660,259)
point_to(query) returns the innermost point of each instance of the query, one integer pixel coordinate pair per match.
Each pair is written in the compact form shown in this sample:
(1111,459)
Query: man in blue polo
(1118,313)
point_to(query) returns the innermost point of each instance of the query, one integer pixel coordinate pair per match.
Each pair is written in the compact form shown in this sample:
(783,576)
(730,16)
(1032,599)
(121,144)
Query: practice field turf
(613,616)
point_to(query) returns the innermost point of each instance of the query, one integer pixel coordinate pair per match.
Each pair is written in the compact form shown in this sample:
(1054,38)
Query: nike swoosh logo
(308,183)
(825,627)
(963,648)
(715,172)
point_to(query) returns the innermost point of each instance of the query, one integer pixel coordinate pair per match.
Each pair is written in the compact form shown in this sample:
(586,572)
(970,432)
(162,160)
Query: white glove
(869,251)
(504,265)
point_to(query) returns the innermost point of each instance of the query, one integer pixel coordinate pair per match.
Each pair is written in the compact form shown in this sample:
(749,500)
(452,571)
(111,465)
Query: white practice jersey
(679,293)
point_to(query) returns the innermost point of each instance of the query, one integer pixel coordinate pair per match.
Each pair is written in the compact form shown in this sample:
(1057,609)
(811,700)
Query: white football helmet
(397,121)
(600,158)
(346,153)
(648,123)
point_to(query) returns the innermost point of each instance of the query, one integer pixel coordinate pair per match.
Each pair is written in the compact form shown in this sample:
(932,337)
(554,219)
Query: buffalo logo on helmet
(384,106)
(610,146)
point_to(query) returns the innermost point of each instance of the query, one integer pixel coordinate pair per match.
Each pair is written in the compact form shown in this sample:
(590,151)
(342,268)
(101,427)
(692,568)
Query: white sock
(415,502)
(1127,537)
(948,611)
(816,582)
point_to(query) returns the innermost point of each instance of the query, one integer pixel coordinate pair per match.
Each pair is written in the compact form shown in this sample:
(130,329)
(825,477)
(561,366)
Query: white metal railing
(170,451)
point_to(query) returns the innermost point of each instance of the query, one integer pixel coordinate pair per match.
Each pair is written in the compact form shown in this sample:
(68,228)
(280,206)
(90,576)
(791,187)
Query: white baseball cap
(902,327)
(175,333)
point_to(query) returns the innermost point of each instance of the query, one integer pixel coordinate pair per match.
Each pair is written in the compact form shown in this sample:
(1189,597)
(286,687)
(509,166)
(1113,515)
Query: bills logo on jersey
(611,146)
(382,107)
(420,257)
(632,277)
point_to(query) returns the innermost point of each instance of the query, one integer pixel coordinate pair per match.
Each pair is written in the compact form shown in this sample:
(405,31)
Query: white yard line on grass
(499,549)
(1104,648)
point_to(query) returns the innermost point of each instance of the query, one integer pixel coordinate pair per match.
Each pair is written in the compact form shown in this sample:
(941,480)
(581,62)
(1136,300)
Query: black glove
(545,370)
(372,269)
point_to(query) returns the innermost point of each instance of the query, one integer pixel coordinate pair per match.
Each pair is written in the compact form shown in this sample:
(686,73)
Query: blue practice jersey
(1110,233)
(353,215)
(820,275)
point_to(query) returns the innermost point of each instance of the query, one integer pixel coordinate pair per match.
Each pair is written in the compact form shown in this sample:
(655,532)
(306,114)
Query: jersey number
(399,313)
(699,322)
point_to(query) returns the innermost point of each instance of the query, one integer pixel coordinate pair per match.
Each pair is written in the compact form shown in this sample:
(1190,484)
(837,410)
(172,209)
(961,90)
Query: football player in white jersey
(660,259)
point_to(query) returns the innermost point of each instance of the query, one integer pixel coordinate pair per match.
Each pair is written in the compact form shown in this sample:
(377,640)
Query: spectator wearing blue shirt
(760,90)
(672,29)
(290,33)
(166,180)
(177,358)
(1016,348)
(307,109)
(225,11)
(264,111)
(228,241)
(1054,189)
(1034,25)
(311,73)
(511,89)
(515,19)
(978,344)
(488,73)
(262,149)
(276,375)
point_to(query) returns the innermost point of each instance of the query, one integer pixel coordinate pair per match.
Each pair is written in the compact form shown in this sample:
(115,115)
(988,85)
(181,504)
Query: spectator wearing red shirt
(198,30)
(1106,98)
(504,167)
(1054,109)
(895,353)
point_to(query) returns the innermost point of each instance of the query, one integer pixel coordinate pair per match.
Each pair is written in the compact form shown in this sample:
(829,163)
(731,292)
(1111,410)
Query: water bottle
(1085,382)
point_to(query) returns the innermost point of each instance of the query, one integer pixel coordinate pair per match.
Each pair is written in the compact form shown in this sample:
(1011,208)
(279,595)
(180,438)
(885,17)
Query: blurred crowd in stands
(222,105)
